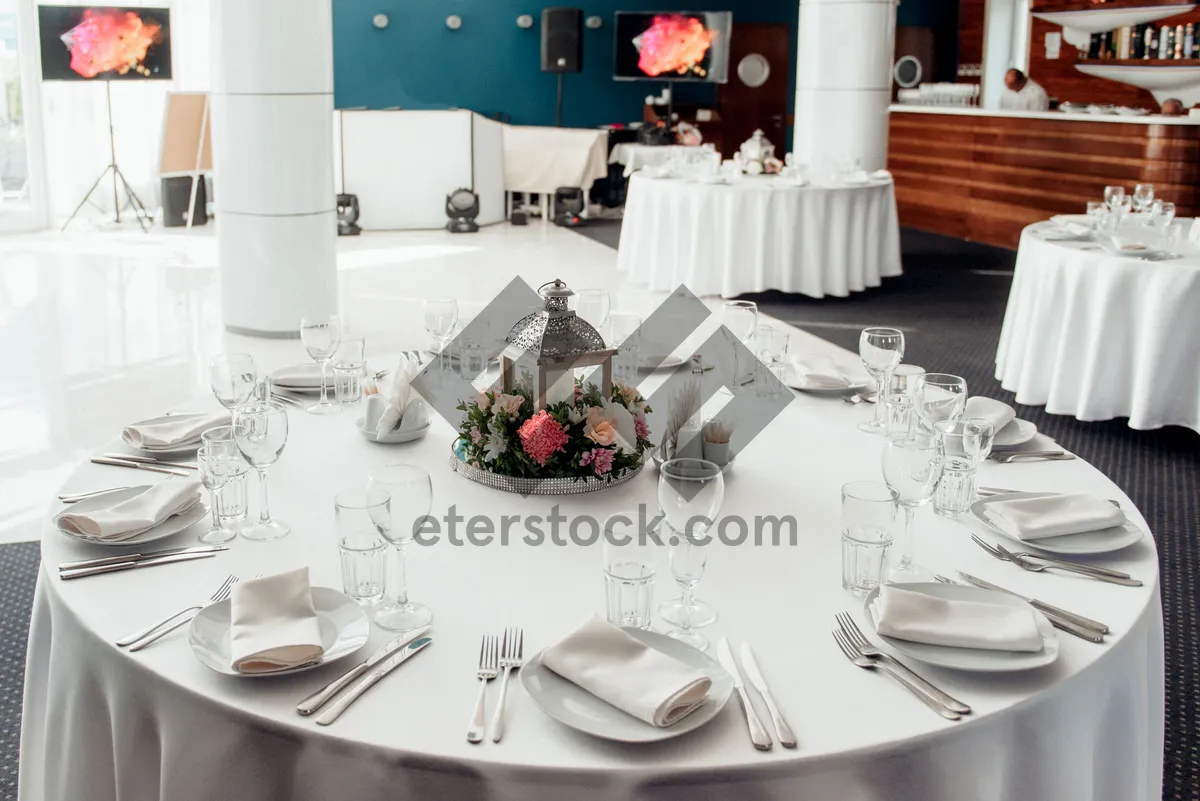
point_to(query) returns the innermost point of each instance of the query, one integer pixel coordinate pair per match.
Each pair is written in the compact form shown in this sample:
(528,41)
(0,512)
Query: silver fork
(1062,563)
(511,654)
(489,657)
(1025,564)
(856,656)
(221,593)
(1020,456)
(859,640)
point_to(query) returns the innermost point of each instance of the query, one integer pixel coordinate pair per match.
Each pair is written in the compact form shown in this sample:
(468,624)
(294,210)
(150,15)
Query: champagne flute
(215,466)
(321,336)
(688,556)
(412,495)
(939,396)
(441,316)
(912,468)
(260,431)
(232,377)
(881,351)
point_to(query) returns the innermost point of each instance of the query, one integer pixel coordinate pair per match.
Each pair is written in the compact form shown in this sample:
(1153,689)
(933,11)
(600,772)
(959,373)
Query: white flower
(576,415)
(495,446)
(621,420)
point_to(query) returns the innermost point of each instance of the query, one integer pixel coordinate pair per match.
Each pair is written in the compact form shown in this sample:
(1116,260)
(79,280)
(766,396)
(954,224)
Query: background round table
(759,234)
(1097,336)
(633,156)
(106,725)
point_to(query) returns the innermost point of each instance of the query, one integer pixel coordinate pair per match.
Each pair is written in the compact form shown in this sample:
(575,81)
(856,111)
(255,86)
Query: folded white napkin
(131,517)
(298,376)
(998,413)
(1127,244)
(175,429)
(1053,516)
(405,410)
(632,676)
(272,624)
(918,617)
(1065,231)
(820,372)
(881,175)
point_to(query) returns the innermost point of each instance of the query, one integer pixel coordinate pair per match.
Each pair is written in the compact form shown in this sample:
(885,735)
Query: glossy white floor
(101,328)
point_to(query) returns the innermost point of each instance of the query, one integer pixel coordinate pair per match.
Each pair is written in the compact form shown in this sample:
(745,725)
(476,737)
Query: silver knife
(758,734)
(84,572)
(1041,606)
(368,680)
(322,696)
(136,557)
(150,460)
(782,730)
(108,460)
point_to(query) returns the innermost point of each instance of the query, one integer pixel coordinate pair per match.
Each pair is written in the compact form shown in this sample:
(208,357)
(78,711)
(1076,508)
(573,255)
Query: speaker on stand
(562,47)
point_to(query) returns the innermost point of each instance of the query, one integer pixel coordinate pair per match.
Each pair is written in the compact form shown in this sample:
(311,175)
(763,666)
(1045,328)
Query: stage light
(347,215)
(568,206)
(462,207)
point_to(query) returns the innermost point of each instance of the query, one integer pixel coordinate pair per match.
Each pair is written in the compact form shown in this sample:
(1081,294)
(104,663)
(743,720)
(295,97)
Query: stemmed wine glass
(1114,196)
(260,431)
(321,336)
(412,496)
(441,316)
(912,467)
(215,466)
(594,306)
(939,396)
(688,556)
(741,318)
(1143,196)
(690,492)
(881,351)
(232,378)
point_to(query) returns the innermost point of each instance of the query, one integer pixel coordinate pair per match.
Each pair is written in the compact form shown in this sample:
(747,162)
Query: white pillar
(844,81)
(273,154)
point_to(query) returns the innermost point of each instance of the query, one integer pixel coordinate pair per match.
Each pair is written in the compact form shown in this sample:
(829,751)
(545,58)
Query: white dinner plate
(172,525)
(1106,540)
(344,629)
(659,361)
(182,448)
(573,706)
(798,382)
(1017,432)
(392,438)
(308,380)
(1078,219)
(979,660)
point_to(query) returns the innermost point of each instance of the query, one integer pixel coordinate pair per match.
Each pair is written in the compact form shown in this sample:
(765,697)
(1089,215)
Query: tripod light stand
(134,202)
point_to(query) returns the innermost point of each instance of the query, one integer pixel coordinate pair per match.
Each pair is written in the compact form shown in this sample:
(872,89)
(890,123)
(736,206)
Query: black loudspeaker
(562,40)
(176,193)
(568,206)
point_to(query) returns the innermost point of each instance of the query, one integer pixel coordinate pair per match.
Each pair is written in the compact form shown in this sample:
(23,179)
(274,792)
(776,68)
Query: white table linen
(1097,336)
(635,156)
(919,617)
(131,517)
(177,429)
(540,160)
(106,725)
(1030,519)
(759,234)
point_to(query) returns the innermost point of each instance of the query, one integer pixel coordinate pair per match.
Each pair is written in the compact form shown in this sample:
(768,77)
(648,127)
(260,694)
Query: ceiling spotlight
(462,207)
(454,22)
(380,21)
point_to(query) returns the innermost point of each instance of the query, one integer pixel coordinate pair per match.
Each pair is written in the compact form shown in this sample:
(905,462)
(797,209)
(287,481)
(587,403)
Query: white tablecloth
(1099,336)
(635,156)
(540,160)
(758,235)
(102,724)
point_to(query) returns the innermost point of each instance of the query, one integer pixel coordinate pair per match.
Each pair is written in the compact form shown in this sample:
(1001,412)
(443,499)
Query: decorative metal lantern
(559,342)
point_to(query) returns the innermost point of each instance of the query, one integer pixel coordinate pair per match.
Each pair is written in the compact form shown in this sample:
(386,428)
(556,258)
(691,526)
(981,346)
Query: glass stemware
(741,318)
(965,444)
(1114,196)
(232,377)
(881,350)
(412,496)
(441,316)
(912,467)
(690,493)
(260,431)
(1096,213)
(321,336)
(1143,196)
(688,556)
(937,397)
(594,306)
(215,465)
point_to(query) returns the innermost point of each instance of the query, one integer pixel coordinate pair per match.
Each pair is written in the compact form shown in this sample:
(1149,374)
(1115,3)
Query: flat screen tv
(673,46)
(101,43)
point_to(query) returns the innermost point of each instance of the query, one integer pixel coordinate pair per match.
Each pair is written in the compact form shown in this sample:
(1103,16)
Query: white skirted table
(759,234)
(103,724)
(634,156)
(1097,336)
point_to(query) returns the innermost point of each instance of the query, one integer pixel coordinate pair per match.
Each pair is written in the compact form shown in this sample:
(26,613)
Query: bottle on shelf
(1165,45)
(1149,42)
(1189,40)
(1178,42)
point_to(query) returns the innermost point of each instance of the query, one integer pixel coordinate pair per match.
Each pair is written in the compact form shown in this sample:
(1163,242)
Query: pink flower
(597,429)
(484,401)
(541,436)
(510,404)
(640,426)
(628,394)
(475,435)
(601,460)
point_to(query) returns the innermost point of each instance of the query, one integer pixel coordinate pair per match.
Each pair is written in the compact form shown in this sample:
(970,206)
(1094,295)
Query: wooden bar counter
(984,175)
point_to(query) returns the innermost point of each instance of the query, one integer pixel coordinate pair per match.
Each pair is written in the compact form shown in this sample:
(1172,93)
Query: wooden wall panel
(970,34)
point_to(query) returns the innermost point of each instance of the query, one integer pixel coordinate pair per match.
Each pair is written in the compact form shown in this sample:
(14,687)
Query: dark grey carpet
(950,303)
(18,574)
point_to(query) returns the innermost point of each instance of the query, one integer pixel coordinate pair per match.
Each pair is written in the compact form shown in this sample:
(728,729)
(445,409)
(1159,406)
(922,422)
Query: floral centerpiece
(591,437)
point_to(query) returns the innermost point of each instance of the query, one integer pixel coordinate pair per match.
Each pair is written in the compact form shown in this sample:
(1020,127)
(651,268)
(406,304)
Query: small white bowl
(392,438)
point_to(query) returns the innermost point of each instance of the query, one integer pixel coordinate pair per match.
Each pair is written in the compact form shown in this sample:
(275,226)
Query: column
(272,109)
(844,81)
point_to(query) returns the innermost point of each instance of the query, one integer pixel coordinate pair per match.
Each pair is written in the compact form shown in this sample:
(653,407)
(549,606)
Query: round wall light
(380,21)
(594,22)
(525,21)
(454,22)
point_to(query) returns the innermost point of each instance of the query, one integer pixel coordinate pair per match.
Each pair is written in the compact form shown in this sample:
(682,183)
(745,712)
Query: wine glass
(215,465)
(1114,196)
(232,378)
(441,316)
(260,431)
(881,350)
(939,396)
(412,496)
(1143,196)
(690,492)
(912,467)
(688,556)
(321,336)
(741,318)
(594,306)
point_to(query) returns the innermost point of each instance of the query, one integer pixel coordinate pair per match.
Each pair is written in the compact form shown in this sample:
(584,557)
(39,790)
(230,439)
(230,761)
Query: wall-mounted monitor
(101,43)
(673,46)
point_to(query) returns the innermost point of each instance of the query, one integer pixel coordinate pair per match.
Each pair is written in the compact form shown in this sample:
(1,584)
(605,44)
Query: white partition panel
(487,152)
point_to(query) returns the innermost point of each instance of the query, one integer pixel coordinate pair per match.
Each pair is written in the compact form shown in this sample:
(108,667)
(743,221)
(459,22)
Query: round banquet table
(1094,335)
(105,725)
(633,156)
(759,234)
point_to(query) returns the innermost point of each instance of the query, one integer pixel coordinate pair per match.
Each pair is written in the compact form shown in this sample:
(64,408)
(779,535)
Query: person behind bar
(1022,94)
(1173,107)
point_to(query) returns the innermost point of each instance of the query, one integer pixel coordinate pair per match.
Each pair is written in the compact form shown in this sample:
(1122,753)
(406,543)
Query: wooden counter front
(984,177)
